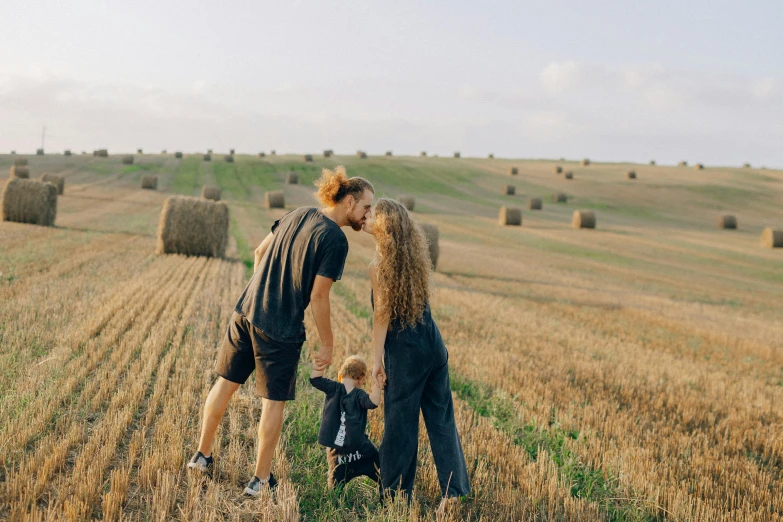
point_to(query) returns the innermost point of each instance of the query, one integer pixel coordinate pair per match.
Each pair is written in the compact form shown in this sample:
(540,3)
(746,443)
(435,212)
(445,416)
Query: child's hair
(353,367)
(334,185)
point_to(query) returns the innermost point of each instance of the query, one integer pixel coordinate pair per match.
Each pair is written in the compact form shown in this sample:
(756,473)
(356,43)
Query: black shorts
(246,348)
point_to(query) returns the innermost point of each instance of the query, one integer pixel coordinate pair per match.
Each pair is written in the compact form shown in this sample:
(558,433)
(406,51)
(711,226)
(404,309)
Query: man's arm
(261,250)
(319,303)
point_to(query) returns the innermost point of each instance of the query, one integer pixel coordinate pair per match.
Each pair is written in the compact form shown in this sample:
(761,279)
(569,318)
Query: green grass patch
(141,167)
(243,249)
(350,301)
(188,177)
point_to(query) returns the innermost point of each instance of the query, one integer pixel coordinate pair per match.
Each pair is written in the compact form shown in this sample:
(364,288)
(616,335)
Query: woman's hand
(379,374)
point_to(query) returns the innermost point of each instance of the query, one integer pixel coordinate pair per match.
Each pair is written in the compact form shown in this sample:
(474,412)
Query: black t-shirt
(306,244)
(353,405)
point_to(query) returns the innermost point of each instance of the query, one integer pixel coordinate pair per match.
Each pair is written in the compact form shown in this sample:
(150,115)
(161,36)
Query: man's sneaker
(201,463)
(255,486)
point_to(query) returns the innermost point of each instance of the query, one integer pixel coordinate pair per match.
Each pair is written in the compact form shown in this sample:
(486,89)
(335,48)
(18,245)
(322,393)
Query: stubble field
(632,372)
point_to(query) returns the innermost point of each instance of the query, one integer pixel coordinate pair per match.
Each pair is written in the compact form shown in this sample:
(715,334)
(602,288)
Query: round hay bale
(422,154)
(772,238)
(139,151)
(274,199)
(20,172)
(559,197)
(698,166)
(210,192)
(262,154)
(510,216)
(229,158)
(29,201)
(509,190)
(207,157)
(58,182)
(388,153)
(727,221)
(652,163)
(585,162)
(231,152)
(361,154)
(746,165)
(328,153)
(490,156)
(557,169)
(535,204)
(39,152)
(631,174)
(209,151)
(13,152)
(127,160)
(292,178)
(101,153)
(583,219)
(149,182)
(67,152)
(178,155)
(456,155)
(193,227)
(272,152)
(407,201)
(431,235)
(20,162)
(308,157)
(513,171)
(682,164)
(163,152)
(568,175)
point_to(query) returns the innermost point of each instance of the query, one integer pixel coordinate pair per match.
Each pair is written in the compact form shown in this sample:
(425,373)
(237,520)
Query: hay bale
(727,221)
(101,153)
(19,172)
(585,162)
(772,238)
(423,154)
(328,153)
(490,156)
(409,202)
(583,219)
(163,152)
(210,192)
(652,163)
(67,152)
(557,169)
(746,165)
(58,182)
(178,155)
(292,178)
(20,162)
(207,157)
(229,158)
(698,166)
(28,201)
(535,204)
(13,152)
(209,151)
(272,152)
(39,152)
(456,155)
(513,171)
(127,160)
(193,227)
(431,235)
(509,190)
(361,154)
(308,157)
(231,152)
(262,154)
(559,197)
(388,153)
(138,151)
(274,199)
(631,174)
(568,175)
(682,164)
(149,182)
(510,216)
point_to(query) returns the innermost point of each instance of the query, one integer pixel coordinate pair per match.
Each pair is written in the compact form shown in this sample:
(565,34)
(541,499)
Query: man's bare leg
(269,428)
(214,408)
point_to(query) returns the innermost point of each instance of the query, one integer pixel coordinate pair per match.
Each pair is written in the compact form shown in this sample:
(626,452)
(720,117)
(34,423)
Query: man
(295,265)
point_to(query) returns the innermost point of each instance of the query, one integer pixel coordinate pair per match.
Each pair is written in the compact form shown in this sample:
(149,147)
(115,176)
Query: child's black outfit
(350,453)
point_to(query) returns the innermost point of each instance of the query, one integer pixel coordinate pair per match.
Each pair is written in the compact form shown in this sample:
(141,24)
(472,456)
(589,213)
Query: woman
(410,357)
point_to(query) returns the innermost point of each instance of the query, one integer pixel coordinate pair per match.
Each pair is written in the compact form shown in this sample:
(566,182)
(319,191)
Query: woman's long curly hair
(402,262)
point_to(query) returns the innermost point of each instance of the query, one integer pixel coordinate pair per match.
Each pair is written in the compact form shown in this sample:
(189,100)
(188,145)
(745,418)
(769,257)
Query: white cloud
(559,77)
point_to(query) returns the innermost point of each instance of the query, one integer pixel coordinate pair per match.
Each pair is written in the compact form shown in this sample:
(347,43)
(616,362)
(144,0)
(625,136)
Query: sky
(691,80)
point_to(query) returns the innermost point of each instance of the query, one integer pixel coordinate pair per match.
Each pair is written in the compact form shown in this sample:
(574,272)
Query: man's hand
(379,375)
(323,358)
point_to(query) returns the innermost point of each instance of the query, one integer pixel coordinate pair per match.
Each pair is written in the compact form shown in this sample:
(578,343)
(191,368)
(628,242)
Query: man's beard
(356,224)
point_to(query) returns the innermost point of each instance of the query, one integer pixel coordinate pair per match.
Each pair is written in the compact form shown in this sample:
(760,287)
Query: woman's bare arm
(380,325)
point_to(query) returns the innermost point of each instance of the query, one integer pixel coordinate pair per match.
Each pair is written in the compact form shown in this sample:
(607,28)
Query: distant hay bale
(568,175)
(28,201)
(361,154)
(262,154)
(101,153)
(39,152)
(207,157)
(164,152)
(13,152)
(423,154)
(727,222)
(557,169)
(490,156)
(209,151)
(431,235)
(407,201)
(178,155)
(535,204)
(513,171)
(456,154)
(308,157)
(509,190)
(229,158)
(772,238)
(274,199)
(20,162)
(58,182)
(231,152)
(559,197)
(746,165)
(652,163)
(292,178)
(139,151)
(698,166)
(127,160)
(272,152)
(585,162)
(631,174)
(149,182)
(19,172)
(388,153)
(67,152)
(328,153)
(210,192)
(510,216)
(583,219)
(682,164)
(193,227)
